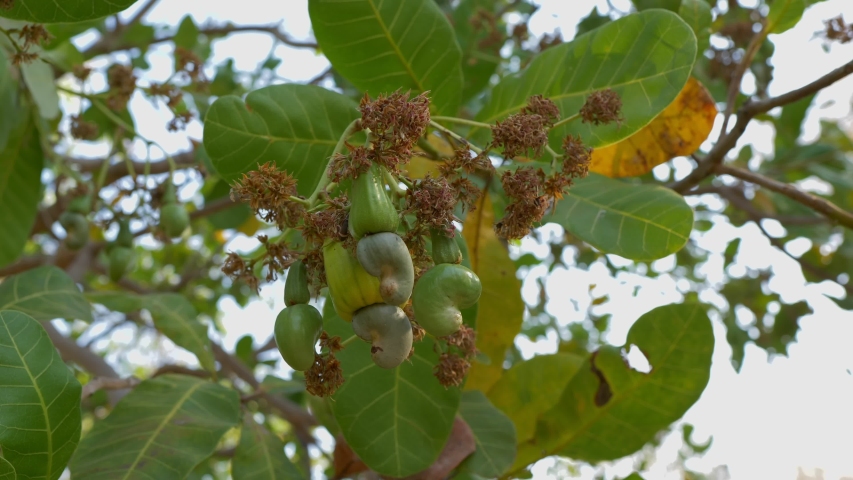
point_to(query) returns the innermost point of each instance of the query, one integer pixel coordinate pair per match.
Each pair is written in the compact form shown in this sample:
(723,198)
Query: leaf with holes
(20,187)
(397,421)
(172,314)
(382,46)
(494,435)
(677,131)
(162,429)
(640,222)
(40,404)
(609,410)
(44,293)
(500,309)
(532,387)
(260,455)
(646,58)
(54,11)
(294,126)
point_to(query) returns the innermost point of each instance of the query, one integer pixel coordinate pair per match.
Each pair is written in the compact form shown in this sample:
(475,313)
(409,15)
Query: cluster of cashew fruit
(299,325)
(370,287)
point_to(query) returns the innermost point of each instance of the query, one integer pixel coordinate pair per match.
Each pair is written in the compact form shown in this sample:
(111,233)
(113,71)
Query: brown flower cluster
(528,205)
(396,123)
(576,160)
(278,257)
(239,270)
(453,366)
(7,4)
(82,129)
(325,376)
(317,227)
(33,35)
(349,166)
(81,72)
(122,83)
(268,192)
(190,64)
(485,21)
(432,200)
(602,107)
(527,130)
(837,30)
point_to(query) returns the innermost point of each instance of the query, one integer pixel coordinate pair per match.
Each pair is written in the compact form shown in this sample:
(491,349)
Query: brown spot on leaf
(603,394)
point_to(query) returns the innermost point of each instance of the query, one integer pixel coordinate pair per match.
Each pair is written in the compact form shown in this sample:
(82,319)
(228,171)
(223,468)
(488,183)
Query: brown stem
(736,197)
(106,383)
(825,207)
(737,77)
(745,114)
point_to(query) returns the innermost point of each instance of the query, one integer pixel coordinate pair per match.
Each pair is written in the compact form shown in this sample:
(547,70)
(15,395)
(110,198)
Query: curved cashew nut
(386,256)
(388,330)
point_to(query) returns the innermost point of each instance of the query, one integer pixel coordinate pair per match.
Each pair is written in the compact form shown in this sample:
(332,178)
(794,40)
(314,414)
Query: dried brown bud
(7,4)
(465,340)
(33,34)
(524,183)
(520,133)
(83,130)
(349,166)
(278,257)
(189,63)
(81,72)
(602,107)
(237,269)
(122,84)
(837,30)
(576,157)
(520,217)
(544,107)
(268,192)
(432,200)
(324,377)
(396,123)
(22,58)
(451,370)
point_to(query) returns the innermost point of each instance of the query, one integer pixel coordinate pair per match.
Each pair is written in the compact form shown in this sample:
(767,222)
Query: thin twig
(106,383)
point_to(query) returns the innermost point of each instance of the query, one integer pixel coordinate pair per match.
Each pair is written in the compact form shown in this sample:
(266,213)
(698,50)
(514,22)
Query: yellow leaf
(679,130)
(501,309)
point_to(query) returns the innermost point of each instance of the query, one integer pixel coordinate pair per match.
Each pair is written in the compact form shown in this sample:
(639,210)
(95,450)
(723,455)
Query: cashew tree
(392,198)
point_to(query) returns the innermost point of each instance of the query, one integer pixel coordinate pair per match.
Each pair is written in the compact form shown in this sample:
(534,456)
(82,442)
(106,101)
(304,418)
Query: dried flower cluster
(432,200)
(190,64)
(485,21)
(268,192)
(31,35)
(7,4)
(453,365)
(526,131)
(82,129)
(330,223)
(837,30)
(278,258)
(602,107)
(239,270)
(122,83)
(325,376)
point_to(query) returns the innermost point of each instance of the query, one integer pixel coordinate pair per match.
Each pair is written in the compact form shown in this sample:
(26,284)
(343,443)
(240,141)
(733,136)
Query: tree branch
(825,207)
(736,197)
(745,114)
(106,383)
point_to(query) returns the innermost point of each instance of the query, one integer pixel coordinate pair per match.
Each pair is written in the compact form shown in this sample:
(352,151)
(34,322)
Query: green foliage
(40,405)
(44,293)
(494,435)
(49,11)
(384,46)
(396,420)
(7,471)
(260,455)
(20,187)
(294,126)
(162,429)
(640,222)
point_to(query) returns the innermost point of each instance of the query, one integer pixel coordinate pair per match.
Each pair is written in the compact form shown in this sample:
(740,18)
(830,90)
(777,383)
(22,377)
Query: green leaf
(8,101)
(53,11)
(382,46)
(697,14)
(646,58)
(609,410)
(162,429)
(640,222)
(187,34)
(231,217)
(784,14)
(44,293)
(7,471)
(260,455)
(500,308)
(295,126)
(20,187)
(592,21)
(671,5)
(494,435)
(40,404)
(480,49)
(38,76)
(398,420)
(172,314)
(789,125)
(532,387)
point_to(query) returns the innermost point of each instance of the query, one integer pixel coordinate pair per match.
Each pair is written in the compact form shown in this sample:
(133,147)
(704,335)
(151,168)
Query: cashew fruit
(440,293)
(76,229)
(444,248)
(386,256)
(350,286)
(120,260)
(125,236)
(372,210)
(174,218)
(388,330)
(296,285)
(297,329)
(80,204)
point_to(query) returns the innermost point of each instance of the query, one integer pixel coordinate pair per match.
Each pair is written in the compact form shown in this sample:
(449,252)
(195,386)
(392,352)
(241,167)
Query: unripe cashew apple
(296,285)
(120,260)
(388,330)
(76,229)
(440,293)
(386,256)
(174,219)
(350,286)
(444,248)
(297,329)
(372,210)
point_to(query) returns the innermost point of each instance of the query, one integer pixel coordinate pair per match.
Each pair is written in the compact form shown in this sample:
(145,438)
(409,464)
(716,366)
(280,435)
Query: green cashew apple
(444,248)
(174,218)
(372,210)
(125,236)
(80,204)
(388,330)
(296,285)
(297,329)
(350,286)
(120,260)
(439,295)
(76,229)
(386,256)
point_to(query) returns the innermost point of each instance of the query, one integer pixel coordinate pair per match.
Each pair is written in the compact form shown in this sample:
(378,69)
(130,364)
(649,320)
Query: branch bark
(746,113)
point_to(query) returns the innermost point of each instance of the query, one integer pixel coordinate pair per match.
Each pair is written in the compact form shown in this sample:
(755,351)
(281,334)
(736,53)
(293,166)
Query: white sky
(767,421)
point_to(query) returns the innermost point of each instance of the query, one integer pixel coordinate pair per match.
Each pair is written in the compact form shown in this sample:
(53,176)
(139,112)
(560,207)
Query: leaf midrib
(42,404)
(160,427)
(396,48)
